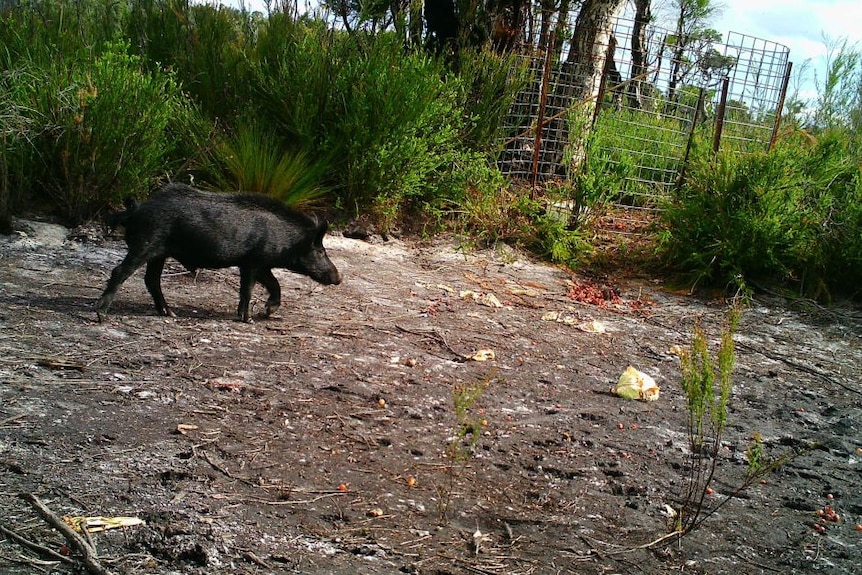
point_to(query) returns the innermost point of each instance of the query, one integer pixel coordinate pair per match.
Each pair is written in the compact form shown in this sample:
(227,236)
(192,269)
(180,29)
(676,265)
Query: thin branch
(40,549)
(88,554)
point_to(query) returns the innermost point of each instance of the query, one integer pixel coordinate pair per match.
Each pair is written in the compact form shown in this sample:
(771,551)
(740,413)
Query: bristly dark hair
(256,201)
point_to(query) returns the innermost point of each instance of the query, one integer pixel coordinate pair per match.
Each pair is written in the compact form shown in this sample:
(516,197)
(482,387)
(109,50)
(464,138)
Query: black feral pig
(209,230)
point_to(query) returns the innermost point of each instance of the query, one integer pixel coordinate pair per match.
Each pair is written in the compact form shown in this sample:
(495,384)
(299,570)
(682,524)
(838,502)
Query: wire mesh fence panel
(657,95)
(542,102)
(757,81)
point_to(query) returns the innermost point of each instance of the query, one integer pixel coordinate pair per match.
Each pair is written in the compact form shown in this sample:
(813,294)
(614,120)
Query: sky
(800,25)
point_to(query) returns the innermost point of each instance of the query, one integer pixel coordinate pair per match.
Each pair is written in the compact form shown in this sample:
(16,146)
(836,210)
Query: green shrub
(490,83)
(104,130)
(495,212)
(204,45)
(790,216)
(385,116)
(396,129)
(16,132)
(294,75)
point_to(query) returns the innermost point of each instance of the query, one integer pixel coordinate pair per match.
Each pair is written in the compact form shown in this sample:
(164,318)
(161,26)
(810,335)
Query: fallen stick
(11,419)
(76,542)
(42,550)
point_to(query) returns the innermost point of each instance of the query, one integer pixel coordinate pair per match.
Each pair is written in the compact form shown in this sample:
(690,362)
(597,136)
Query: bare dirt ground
(321,440)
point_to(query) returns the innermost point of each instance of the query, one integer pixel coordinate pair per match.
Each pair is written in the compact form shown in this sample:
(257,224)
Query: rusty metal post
(782,96)
(681,177)
(537,145)
(719,116)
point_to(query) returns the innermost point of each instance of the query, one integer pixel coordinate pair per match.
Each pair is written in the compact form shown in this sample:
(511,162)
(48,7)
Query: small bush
(497,212)
(295,65)
(203,44)
(396,131)
(105,130)
(790,216)
(16,132)
(490,82)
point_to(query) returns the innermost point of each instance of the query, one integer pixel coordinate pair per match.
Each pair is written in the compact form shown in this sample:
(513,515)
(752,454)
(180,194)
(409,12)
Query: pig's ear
(318,222)
(321,228)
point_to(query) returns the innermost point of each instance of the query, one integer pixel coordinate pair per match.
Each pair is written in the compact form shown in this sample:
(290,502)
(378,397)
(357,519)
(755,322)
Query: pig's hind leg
(267,280)
(153,281)
(246,285)
(121,273)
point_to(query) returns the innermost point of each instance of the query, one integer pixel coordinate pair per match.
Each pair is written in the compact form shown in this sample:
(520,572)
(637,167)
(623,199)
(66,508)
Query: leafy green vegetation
(252,161)
(789,216)
(87,131)
(707,384)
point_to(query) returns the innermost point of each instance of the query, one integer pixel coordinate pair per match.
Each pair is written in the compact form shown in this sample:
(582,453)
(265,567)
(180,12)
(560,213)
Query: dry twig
(76,542)
(42,550)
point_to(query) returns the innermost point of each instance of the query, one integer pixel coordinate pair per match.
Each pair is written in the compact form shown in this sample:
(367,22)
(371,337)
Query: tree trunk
(415,28)
(590,41)
(571,99)
(634,93)
(677,53)
(562,26)
(441,24)
(507,23)
(584,64)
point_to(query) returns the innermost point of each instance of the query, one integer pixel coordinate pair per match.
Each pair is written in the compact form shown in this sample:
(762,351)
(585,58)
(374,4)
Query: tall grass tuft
(253,160)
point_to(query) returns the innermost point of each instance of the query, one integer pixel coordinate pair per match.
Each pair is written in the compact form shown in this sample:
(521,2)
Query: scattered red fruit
(620,426)
(595,295)
(710,491)
(342,487)
(859,527)
(65,551)
(828,514)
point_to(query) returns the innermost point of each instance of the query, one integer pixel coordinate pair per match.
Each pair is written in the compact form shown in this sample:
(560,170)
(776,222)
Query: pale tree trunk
(585,63)
(548,9)
(643,16)
(590,41)
(573,90)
